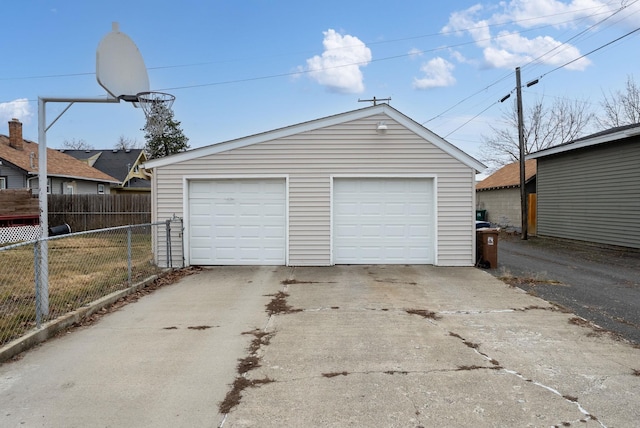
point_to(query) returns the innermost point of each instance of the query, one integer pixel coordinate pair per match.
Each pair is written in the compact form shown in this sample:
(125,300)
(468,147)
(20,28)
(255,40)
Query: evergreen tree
(163,133)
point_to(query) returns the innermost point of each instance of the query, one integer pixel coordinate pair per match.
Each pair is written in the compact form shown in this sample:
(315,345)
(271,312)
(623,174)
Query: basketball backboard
(120,69)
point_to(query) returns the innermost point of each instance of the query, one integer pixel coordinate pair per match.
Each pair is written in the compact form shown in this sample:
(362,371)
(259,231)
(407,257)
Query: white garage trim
(189,179)
(429,226)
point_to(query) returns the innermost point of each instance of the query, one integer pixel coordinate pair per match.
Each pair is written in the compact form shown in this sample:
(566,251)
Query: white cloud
(509,49)
(438,73)
(19,109)
(466,21)
(338,68)
(559,13)
(456,55)
(414,53)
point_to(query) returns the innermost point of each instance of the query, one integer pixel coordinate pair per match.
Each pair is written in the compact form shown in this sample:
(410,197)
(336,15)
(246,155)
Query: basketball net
(157,109)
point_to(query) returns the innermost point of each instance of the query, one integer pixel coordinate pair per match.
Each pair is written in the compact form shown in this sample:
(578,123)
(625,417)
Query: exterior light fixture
(381,128)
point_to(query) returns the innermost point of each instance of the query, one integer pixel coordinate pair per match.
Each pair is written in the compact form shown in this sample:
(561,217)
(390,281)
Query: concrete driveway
(365,346)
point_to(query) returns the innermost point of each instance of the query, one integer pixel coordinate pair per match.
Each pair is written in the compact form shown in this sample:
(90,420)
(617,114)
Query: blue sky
(242,67)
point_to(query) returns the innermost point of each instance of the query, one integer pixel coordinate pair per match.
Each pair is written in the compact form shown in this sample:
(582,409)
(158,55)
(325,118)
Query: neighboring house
(369,186)
(589,189)
(65,175)
(124,165)
(499,193)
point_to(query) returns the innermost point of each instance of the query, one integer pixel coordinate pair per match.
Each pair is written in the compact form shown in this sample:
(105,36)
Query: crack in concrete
(502,311)
(331,375)
(474,346)
(569,399)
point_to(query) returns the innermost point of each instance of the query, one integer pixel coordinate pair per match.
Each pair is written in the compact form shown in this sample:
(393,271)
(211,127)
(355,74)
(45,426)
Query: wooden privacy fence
(89,212)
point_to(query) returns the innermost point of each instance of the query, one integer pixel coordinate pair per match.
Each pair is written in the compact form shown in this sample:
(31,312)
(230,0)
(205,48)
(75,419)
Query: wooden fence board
(89,212)
(81,212)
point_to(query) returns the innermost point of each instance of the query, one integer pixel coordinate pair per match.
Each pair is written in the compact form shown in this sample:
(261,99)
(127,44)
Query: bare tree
(544,126)
(621,107)
(74,144)
(125,143)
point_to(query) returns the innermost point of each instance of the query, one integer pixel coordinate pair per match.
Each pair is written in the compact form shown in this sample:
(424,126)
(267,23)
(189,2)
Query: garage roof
(613,134)
(508,176)
(322,123)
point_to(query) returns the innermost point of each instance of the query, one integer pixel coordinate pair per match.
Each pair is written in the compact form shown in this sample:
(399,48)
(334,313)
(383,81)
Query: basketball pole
(42,268)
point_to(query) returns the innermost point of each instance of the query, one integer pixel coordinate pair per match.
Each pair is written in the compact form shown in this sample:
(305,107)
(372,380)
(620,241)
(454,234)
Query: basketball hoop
(157,109)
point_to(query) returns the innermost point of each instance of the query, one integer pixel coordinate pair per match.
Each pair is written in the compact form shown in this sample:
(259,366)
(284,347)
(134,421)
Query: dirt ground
(599,283)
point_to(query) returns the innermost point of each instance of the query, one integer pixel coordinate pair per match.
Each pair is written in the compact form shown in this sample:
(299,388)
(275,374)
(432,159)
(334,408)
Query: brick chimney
(15,134)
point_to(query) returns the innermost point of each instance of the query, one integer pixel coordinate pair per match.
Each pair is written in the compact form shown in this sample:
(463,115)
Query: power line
(551,71)
(592,51)
(441,33)
(473,118)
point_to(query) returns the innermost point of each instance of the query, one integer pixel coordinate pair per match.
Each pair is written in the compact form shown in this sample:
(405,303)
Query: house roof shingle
(58,164)
(508,176)
(116,163)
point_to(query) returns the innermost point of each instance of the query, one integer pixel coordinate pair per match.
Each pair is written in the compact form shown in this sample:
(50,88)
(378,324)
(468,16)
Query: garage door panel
(245,222)
(370,230)
(383,220)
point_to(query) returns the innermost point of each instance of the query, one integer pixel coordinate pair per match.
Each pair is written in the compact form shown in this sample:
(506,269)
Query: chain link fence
(82,268)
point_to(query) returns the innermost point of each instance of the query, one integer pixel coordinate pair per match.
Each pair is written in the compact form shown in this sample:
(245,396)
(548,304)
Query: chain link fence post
(169,256)
(36,274)
(129,255)
(184,263)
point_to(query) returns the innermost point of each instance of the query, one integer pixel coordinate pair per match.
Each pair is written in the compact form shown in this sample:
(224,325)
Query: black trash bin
(63,229)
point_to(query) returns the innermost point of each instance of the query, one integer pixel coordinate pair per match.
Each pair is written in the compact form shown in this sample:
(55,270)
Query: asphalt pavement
(343,346)
(597,282)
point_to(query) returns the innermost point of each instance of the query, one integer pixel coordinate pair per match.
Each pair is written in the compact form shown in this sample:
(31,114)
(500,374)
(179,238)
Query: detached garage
(370,186)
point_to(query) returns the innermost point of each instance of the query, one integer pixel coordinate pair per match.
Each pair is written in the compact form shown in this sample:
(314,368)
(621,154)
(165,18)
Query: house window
(69,190)
(3,182)
(100,189)
(33,184)
(136,168)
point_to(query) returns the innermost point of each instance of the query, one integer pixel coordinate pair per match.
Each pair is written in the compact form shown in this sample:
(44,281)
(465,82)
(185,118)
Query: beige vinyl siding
(309,219)
(591,195)
(353,148)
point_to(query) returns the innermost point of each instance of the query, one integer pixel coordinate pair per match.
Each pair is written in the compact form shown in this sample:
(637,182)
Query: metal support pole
(184,263)
(43,283)
(523,193)
(168,239)
(129,255)
(36,272)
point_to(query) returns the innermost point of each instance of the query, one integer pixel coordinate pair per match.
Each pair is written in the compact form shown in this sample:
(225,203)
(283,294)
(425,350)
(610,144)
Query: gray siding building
(589,189)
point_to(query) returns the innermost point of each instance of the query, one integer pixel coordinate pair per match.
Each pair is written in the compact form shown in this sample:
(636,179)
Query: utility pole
(523,193)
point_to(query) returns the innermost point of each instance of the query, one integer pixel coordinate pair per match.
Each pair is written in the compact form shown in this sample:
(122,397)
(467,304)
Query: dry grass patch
(279,305)
(82,269)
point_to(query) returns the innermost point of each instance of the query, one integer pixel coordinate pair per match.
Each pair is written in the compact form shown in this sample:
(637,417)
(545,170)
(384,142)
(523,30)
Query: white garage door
(237,222)
(383,221)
